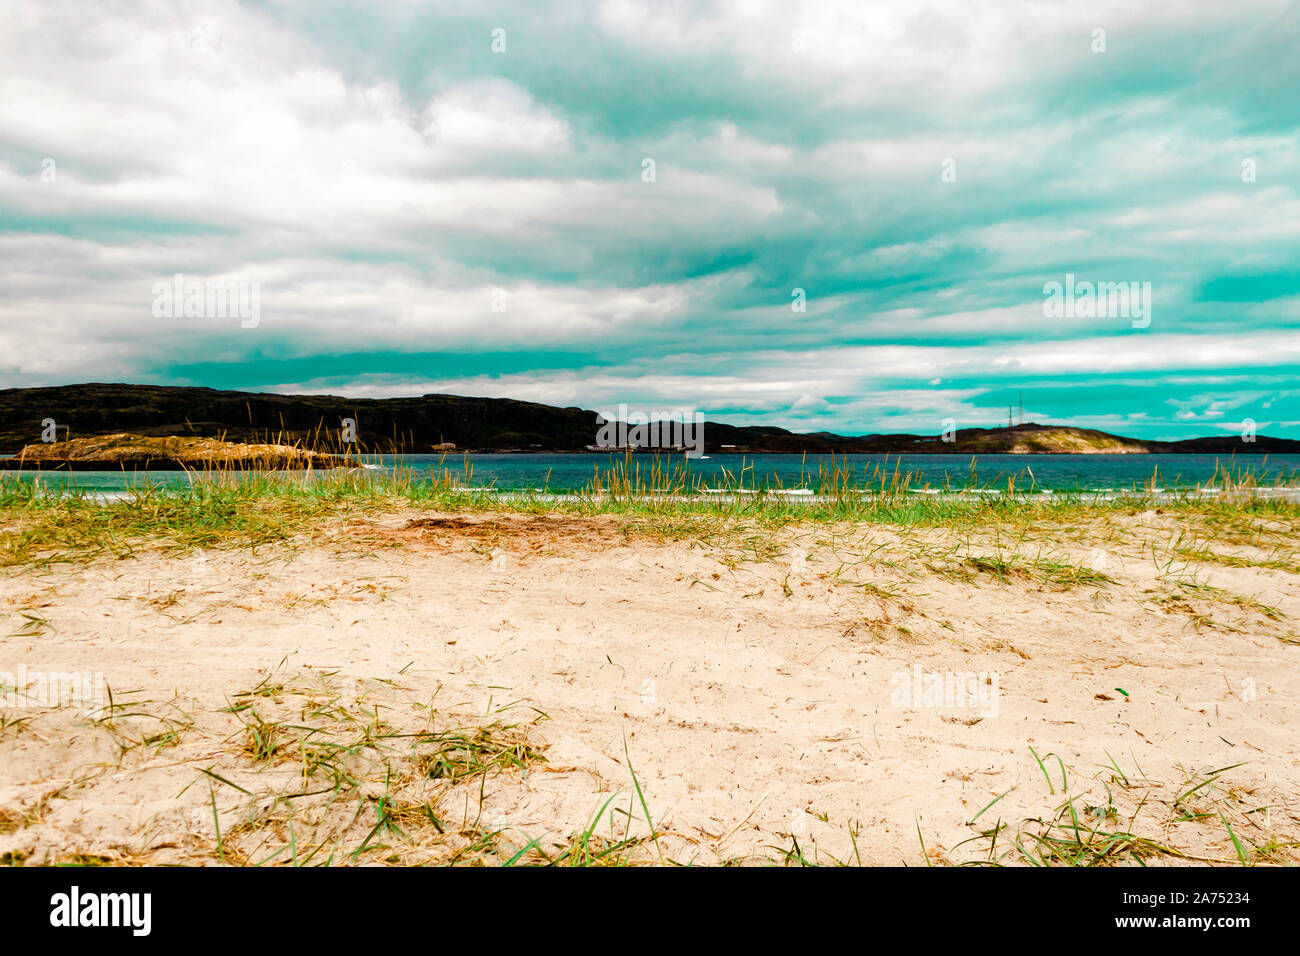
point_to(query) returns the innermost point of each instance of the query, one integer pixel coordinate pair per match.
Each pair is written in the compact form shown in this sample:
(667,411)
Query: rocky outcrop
(143,453)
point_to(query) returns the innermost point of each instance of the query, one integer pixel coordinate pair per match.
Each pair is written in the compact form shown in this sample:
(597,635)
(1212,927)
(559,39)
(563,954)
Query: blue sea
(566,473)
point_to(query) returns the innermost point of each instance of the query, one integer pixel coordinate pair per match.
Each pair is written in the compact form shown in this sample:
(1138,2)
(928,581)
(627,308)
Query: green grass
(1080,830)
(40,526)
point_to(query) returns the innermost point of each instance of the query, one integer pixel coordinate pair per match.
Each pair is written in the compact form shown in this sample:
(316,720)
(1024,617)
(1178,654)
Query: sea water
(572,472)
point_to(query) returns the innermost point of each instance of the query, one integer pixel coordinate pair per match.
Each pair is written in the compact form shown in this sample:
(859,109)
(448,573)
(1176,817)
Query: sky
(820,216)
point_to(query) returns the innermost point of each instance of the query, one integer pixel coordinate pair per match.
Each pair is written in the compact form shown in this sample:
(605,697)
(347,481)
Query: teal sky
(421,212)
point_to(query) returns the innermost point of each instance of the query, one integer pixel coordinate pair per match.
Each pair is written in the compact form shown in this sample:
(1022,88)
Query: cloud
(422,212)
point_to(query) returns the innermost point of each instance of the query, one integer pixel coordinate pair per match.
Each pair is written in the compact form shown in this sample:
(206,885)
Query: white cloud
(379,213)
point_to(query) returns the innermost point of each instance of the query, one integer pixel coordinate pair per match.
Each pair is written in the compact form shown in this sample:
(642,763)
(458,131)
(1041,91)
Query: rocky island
(139,452)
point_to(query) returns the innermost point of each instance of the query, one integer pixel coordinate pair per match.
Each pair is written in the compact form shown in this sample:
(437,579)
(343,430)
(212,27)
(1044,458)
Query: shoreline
(799,497)
(849,482)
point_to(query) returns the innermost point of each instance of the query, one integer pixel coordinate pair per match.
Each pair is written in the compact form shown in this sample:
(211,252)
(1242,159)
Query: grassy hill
(421,424)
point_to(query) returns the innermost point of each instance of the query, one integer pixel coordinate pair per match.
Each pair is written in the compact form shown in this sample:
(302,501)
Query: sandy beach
(487,687)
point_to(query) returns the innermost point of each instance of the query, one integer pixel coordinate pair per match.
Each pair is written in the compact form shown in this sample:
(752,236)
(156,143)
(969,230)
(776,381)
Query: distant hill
(403,424)
(493,424)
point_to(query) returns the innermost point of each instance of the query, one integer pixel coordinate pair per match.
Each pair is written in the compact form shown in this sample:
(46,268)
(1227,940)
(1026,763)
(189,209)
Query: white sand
(751,679)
